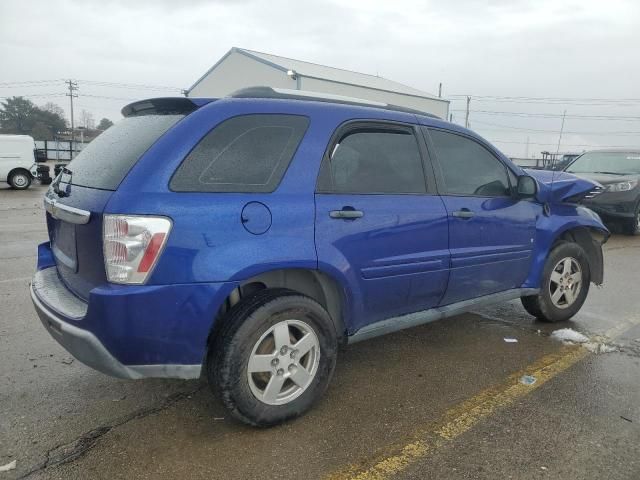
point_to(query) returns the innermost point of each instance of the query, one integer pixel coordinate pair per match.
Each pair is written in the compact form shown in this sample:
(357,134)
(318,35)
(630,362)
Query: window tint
(468,168)
(249,153)
(375,161)
(106,161)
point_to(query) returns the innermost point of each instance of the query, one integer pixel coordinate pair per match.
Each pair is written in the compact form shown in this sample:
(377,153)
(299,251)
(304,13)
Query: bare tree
(53,108)
(86,120)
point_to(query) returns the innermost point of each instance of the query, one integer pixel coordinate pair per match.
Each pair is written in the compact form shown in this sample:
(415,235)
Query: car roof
(168,105)
(298,100)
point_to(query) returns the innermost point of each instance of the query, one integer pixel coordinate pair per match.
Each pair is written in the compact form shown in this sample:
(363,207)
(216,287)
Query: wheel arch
(591,240)
(590,237)
(316,284)
(15,170)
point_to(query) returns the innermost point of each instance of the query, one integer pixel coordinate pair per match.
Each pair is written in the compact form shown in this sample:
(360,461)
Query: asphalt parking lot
(445,400)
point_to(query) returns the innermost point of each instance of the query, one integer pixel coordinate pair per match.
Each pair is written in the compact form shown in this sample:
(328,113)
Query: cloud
(546,48)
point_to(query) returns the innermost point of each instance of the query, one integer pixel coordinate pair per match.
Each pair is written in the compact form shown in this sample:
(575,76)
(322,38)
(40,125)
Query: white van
(17,160)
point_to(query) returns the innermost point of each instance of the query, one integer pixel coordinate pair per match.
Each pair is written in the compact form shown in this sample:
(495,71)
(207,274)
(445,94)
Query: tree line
(21,116)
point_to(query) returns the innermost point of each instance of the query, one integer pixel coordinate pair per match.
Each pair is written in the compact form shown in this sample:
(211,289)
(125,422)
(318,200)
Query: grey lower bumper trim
(87,348)
(420,318)
(48,286)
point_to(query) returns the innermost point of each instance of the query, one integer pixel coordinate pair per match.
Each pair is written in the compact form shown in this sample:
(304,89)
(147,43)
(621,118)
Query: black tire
(20,180)
(541,306)
(233,344)
(632,226)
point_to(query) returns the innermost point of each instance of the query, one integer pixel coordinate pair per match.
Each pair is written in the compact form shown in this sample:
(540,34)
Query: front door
(491,232)
(379,224)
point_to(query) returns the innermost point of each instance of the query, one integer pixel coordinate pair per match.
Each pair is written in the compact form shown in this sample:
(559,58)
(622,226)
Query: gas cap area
(256,218)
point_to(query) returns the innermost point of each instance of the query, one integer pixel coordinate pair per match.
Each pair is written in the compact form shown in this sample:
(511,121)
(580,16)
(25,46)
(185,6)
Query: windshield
(615,163)
(106,161)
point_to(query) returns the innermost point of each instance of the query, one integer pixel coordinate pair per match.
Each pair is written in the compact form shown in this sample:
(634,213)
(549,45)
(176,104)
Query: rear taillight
(132,245)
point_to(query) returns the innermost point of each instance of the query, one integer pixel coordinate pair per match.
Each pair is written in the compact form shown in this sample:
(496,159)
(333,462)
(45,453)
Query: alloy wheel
(566,282)
(283,362)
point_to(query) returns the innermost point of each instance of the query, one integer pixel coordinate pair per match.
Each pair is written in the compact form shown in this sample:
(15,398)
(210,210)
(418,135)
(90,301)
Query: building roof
(323,72)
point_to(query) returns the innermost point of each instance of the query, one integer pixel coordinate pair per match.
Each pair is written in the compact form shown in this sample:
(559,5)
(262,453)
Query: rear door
(491,232)
(379,222)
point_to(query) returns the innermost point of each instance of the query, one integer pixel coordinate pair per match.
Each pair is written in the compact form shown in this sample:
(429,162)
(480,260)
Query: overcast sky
(536,48)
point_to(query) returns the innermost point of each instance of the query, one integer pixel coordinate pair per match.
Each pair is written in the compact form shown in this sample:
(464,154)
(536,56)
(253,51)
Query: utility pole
(73,86)
(440,90)
(526,150)
(466,118)
(564,114)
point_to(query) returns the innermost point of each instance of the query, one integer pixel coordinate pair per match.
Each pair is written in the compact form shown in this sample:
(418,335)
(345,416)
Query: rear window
(248,153)
(106,161)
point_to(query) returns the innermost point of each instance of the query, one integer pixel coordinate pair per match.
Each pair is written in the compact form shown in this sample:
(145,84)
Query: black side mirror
(527,187)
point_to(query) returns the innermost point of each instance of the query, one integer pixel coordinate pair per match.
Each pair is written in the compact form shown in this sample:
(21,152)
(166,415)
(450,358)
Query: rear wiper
(56,184)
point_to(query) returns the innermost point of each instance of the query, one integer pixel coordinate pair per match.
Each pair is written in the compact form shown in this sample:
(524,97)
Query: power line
(543,99)
(552,115)
(535,130)
(109,98)
(550,102)
(129,85)
(566,145)
(98,83)
(39,95)
(29,83)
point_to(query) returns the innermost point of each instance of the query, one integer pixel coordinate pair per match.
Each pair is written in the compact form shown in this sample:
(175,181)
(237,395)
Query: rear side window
(468,168)
(249,153)
(106,161)
(374,160)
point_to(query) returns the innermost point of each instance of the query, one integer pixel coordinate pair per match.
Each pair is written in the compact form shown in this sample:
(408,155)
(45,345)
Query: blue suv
(246,238)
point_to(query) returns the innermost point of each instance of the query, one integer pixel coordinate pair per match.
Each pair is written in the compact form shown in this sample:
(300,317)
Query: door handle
(463,213)
(347,213)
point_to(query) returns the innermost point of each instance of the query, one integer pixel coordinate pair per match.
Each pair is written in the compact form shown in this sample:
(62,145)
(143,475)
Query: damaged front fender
(569,223)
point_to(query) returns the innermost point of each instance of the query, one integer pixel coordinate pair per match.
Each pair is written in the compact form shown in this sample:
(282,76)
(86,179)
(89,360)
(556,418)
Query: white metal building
(240,68)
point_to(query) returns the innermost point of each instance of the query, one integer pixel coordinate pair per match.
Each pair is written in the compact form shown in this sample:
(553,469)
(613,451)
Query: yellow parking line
(464,416)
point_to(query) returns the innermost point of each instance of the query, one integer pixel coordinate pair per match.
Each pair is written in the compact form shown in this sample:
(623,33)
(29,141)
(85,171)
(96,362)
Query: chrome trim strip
(65,212)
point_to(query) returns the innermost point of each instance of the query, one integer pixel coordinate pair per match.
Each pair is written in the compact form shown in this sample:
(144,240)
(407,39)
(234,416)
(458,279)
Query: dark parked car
(245,238)
(618,171)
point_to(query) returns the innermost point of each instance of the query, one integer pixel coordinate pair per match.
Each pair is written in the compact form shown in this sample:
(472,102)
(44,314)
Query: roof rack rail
(288,94)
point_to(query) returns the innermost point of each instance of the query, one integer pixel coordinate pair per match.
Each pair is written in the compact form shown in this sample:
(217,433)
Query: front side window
(468,168)
(249,153)
(375,160)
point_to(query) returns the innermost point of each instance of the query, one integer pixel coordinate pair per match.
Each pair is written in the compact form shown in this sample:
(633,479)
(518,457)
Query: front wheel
(633,224)
(20,180)
(565,284)
(273,357)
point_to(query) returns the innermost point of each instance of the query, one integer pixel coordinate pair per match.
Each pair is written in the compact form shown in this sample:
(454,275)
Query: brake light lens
(132,245)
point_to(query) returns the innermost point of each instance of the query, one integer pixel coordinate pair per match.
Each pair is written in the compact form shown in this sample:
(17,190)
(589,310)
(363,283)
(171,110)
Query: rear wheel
(565,284)
(20,180)
(273,357)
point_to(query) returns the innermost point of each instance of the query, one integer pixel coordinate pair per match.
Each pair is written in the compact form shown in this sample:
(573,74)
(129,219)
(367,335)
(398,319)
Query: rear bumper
(130,331)
(80,343)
